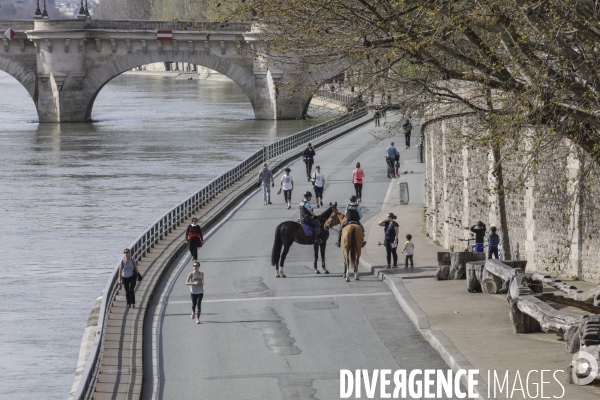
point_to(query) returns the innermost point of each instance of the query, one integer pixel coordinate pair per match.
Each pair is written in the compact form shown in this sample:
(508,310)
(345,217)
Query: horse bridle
(340,223)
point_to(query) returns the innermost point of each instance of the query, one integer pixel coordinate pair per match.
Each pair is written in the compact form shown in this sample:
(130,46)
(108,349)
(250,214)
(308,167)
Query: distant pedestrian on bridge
(287,183)
(194,237)
(390,156)
(308,156)
(357,179)
(195,280)
(377,118)
(265,178)
(128,275)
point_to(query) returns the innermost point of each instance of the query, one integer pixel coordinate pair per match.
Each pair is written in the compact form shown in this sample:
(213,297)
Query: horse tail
(277,245)
(351,241)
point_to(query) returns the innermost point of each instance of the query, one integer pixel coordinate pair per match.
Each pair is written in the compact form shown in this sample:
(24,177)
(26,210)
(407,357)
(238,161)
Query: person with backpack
(128,276)
(493,242)
(407,128)
(193,235)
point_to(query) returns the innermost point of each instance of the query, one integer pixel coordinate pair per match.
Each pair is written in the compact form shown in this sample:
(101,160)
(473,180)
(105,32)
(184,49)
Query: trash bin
(403,190)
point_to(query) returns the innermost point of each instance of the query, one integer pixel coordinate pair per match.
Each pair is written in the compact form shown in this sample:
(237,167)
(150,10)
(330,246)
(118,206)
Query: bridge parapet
(18,25)
(198,26)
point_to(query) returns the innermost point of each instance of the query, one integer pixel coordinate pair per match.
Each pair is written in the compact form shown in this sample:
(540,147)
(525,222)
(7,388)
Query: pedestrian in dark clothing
(479,230)
(377,117)
(407,128)
(194,237)
(308,156)
(493,242)
(128,275)
(391,229)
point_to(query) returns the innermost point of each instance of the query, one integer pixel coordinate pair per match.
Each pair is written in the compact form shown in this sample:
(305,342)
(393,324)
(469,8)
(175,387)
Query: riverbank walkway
(264,337)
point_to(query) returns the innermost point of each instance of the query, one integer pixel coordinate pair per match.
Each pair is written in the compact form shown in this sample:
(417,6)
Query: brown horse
(352,242)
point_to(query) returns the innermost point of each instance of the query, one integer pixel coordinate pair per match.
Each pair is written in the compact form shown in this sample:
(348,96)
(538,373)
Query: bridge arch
(24,75)
(101,75)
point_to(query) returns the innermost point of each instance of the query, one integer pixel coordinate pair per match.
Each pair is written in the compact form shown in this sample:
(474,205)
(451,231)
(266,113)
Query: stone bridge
(64,64)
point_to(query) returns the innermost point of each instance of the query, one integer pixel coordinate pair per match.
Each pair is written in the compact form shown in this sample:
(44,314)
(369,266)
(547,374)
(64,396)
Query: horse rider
(353,213)
(307,216)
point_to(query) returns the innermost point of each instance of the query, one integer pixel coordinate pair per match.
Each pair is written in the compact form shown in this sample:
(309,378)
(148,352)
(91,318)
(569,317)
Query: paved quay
(471,330)
(264,337)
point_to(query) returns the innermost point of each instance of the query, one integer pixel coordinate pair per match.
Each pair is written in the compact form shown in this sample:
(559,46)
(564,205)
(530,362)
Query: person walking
(479,230)
(493,242)
(357,179)
(407,128)
(128,275)
(195,280)
(318,181)
(390,156)
(377,117)
(391,230)
(265,177)
(194,237)
(308,156)
(353,213)
(307,216)
(409,249)
(287,183)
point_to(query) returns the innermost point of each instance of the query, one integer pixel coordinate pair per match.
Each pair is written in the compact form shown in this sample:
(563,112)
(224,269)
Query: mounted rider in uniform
(307,216)
(353,213)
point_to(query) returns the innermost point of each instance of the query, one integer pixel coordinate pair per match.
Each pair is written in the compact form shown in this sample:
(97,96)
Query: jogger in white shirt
(318,180)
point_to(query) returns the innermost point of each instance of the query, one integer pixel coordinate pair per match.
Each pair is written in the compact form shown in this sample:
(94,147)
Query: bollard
(403,190)
(420,153)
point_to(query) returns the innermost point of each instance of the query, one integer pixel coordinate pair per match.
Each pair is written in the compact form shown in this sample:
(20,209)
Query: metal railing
(344,98)
(177,215)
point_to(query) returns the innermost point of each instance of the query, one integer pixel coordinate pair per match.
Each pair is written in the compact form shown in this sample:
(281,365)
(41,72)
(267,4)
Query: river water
(73,196)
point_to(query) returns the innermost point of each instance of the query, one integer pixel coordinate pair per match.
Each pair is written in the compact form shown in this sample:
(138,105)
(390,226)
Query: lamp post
(87,12)
(38,12)
(45,12)
(81,9)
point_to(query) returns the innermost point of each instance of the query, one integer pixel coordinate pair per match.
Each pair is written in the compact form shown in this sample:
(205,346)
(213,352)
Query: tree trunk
(500,195)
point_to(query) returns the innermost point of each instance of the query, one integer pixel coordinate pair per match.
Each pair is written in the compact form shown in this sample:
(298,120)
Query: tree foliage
(516,63)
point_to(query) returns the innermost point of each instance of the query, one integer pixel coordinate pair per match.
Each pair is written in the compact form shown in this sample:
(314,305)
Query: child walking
(409,249)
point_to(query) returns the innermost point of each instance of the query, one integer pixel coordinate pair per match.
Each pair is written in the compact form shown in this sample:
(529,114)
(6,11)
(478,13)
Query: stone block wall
(551,224)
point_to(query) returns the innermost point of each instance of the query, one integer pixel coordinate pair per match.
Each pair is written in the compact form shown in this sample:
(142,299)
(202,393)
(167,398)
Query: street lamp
(81,9)
(38,12)
(45,12)
(87,12)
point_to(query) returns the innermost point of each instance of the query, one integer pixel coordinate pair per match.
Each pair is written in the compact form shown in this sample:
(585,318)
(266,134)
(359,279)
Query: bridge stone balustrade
(63,64)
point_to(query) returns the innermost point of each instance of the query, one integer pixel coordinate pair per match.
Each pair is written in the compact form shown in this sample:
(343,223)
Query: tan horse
(353,236)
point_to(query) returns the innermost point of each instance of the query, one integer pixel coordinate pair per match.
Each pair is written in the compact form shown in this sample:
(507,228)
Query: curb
(449,353)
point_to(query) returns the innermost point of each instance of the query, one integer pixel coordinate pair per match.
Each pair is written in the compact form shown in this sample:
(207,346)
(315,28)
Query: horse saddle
(307,229)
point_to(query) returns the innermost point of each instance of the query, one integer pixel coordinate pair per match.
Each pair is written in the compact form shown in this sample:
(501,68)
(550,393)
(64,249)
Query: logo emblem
(581,367)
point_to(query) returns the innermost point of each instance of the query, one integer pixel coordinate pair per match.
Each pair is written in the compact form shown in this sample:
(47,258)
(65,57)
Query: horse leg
(286,248)
(316,248)
(323,257)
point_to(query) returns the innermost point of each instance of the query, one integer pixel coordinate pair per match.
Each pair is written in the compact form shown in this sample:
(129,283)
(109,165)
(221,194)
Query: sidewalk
(469,330)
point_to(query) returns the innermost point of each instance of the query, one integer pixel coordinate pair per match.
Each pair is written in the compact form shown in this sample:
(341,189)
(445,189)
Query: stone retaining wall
(557,232)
